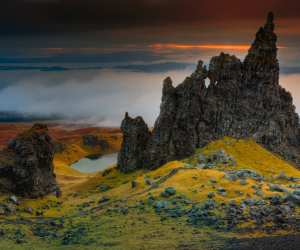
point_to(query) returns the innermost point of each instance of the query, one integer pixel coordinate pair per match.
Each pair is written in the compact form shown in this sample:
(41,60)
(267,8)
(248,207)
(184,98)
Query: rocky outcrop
(26,166)
(94,141)
(243,99)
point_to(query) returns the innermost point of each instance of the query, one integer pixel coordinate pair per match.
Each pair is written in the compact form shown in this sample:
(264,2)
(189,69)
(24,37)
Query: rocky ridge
(243,99)
(26,164)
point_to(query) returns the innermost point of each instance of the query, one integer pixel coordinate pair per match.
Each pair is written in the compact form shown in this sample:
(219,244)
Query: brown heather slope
(72,149)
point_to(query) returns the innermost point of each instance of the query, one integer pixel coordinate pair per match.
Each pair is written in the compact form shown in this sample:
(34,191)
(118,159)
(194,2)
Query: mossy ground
(82,219)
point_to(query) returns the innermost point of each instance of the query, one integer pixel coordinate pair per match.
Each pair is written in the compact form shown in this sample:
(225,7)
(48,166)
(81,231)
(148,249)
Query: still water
(86,165)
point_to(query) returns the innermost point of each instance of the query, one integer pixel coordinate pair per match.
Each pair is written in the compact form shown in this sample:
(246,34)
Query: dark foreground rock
(243,99)
(26,166)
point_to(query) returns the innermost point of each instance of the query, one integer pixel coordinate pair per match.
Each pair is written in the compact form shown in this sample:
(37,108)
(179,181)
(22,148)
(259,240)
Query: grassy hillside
(229,189)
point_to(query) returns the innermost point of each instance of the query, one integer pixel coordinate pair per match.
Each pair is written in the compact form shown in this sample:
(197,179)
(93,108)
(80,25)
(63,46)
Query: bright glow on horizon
(240,47)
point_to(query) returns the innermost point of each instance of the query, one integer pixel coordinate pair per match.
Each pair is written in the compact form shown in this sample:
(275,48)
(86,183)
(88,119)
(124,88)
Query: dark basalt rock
(59,147)
(94,141)
(243,99)
(26,166)
(136,136)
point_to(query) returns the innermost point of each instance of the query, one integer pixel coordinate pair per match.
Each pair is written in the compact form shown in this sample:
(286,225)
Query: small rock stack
(136,136)
(26,165)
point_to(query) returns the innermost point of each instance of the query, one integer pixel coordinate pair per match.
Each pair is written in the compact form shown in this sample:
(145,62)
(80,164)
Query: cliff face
(243,99)
(26,166)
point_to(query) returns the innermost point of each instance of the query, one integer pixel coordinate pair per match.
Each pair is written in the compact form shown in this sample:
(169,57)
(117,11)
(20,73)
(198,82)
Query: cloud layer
(99,96)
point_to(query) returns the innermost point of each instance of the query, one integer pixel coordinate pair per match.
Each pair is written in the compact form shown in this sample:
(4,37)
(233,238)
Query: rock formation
(243,99)
(26,166)
(136,135)
(94,141)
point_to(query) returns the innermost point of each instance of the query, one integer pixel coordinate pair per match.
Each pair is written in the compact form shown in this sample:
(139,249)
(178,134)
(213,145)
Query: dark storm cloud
(24,16)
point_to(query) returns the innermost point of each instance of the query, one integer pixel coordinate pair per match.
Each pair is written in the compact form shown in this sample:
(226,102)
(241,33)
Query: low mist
(100,97)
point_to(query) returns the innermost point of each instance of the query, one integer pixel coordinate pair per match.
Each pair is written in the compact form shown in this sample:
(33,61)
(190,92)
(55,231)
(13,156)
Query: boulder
(294,198)
(276,188)
(14,200)
(243,174)
(215,158)
(169,191)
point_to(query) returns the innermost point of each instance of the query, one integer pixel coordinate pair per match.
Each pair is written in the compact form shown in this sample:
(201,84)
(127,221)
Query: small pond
(90,165)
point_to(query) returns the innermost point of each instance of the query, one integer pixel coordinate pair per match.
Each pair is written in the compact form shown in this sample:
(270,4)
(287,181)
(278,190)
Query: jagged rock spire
(224,66)
(201,71)
(269,26)
(261,63)
(167,86)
